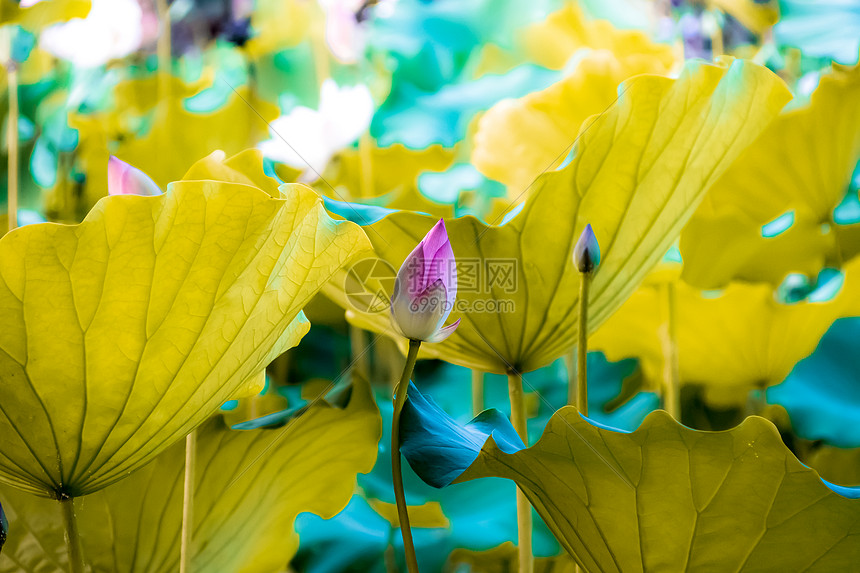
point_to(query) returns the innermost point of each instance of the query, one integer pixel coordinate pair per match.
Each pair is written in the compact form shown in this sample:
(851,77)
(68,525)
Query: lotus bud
(123,179)
(586,253)
(425,289)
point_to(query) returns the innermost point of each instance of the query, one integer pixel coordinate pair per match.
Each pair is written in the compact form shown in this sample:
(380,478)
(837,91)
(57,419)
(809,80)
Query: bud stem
(582,346)
(671,373)
(188,503)
(524,508)
(12,142)
(73,539)
(477,392)
(396,469)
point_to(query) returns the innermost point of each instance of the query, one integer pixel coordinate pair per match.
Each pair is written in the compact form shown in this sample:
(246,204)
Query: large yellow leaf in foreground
(802,163)
(637,176)
(122,334)
(250,486)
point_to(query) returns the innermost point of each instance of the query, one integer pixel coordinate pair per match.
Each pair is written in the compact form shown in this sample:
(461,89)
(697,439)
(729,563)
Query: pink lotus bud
(123,179)
(425,289)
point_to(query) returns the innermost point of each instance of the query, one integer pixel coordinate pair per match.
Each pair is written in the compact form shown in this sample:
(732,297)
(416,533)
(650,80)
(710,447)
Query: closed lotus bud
(123,179)
(425,289)
(4,527)
(586,253)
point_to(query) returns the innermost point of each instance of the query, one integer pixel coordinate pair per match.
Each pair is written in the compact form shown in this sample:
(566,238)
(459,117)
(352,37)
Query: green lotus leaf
(668,498)
(638,173)
(122,334)
(725,239)
(250,486)
(42,14)
(662,498)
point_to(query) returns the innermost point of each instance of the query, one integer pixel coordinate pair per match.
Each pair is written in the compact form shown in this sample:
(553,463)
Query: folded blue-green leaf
(438,448)
(661,498)
(822,393)
(4,527)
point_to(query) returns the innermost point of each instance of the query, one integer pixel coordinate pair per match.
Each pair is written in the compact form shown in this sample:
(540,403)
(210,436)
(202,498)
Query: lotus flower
(425,289)
(586,253)
(123,179)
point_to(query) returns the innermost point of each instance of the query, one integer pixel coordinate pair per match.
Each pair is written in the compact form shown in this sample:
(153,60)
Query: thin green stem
(582,346)
(358,348)
(570,365)
(524,508)
(188,503)
(477,392)
(396,469)
(73,538)
(365,156)
(671,369)
(12,135)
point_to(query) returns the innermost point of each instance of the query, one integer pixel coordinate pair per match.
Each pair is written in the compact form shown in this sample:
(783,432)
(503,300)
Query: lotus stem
(365,146)
(671,369)
(358,348)
(477,392)
(582,346)
(717,48)
(188,503)
(396,469)
(73,538)
(319,48)
(163,48)
(524,508)
(570,366)
(12,134)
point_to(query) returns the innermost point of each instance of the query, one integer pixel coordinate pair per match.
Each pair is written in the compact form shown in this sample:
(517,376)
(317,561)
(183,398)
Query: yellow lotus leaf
(740,339)
(754,15)
(367,173)
(278,24)
(552,42)
(518,139)
(141,95)
(636,177)
(175,140)
(771,179)
(246,167)
(250,486)
(36,17)
(122,334)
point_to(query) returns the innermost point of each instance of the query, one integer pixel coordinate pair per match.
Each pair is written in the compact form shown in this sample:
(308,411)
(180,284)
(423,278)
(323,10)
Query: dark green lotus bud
(586,253)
